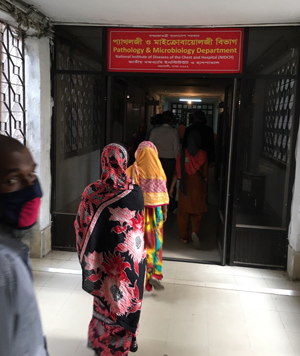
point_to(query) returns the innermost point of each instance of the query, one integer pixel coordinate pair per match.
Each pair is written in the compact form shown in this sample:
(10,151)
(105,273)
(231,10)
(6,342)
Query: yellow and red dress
(148,173)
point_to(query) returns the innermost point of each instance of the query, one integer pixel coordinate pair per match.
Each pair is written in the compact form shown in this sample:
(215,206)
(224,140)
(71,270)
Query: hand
(165,212)
(171,191)
(165,215)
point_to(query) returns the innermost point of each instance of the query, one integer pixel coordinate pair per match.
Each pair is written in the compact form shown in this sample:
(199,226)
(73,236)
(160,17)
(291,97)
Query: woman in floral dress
(110,246)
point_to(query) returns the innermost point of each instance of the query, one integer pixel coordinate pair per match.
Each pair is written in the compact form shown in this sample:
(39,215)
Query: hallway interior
(209,250)
(205,310)
(175,249)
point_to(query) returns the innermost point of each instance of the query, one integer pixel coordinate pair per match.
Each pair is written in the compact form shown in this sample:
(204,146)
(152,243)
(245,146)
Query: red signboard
(175,51)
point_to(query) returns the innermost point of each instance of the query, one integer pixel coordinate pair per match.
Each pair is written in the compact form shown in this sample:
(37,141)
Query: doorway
(256,125)
(145,96)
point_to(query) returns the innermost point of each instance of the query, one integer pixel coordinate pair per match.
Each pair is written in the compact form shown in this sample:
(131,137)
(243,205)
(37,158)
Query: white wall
(294,231)
(38,129)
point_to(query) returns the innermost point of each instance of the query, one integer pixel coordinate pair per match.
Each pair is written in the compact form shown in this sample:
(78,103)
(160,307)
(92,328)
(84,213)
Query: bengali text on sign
(175,51)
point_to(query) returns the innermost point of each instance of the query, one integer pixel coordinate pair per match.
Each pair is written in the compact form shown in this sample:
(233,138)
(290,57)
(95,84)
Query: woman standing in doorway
(110,246)
(191,169)
(148,173)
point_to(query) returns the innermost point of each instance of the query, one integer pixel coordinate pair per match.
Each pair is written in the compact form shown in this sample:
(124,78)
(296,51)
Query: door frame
(278,233)
(107,80)
(236,79)
(230,176)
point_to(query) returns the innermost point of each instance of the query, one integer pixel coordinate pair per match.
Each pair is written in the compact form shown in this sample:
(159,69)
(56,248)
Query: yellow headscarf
(149,174)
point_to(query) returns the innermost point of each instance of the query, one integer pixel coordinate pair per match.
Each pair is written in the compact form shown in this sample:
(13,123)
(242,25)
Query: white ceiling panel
(178,13)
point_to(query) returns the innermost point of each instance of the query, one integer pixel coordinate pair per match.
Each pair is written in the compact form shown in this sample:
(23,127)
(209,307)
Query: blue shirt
(20,324)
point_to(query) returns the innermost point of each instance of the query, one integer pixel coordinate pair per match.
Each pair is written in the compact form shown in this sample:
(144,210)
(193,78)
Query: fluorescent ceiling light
(191,99)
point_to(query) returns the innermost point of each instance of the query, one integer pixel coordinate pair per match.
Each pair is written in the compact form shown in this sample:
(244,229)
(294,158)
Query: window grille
(79,110)
(12,91)
(181,111)
(78,102)
(279,111)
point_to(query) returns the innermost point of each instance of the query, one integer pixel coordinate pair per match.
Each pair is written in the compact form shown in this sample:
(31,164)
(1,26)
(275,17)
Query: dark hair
(167,116)
(193,142)
(200,116)
(158,119)
(9,144)
(152,120)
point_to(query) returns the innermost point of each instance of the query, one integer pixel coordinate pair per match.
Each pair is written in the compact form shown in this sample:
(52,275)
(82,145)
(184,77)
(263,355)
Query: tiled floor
(174,248)
(205,310)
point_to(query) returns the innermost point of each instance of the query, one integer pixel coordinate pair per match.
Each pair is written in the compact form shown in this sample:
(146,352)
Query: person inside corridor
(156,122)
(206,133)
(148,173)
(136,140)
(20,196)
(109,238)
(166,140)
(150,128)
(191,169)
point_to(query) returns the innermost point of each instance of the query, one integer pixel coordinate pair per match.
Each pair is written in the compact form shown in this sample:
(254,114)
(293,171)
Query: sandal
(196,242)
(134,345)
(184,241)
(156,284)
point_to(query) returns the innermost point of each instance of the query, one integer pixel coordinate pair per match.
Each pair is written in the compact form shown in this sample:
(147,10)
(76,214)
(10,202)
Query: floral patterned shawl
(149,174)
(109,239)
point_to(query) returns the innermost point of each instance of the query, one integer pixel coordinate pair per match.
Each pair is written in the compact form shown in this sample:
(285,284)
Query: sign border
(190,30)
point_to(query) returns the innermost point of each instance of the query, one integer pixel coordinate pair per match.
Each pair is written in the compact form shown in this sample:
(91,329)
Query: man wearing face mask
(20,195)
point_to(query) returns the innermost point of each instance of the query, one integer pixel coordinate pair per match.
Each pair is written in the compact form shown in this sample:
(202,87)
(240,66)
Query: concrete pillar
(38,131)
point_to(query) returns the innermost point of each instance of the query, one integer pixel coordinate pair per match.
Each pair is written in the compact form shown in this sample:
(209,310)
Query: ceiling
(168,13)
(172,88)
(176,13)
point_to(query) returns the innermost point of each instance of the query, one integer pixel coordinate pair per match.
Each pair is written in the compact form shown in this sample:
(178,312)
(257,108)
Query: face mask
(21,208)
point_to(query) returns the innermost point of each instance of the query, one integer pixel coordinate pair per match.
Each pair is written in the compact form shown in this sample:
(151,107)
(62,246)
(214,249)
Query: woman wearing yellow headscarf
(148,173)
